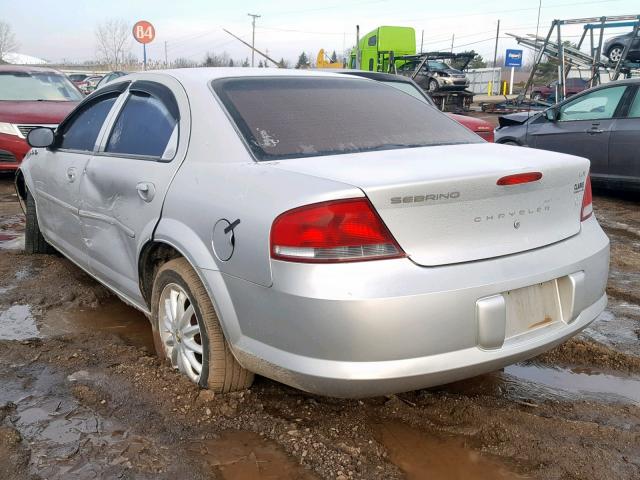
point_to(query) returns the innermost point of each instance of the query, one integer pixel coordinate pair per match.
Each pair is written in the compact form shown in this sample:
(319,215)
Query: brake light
(336,231)
(587,201)
(519,178)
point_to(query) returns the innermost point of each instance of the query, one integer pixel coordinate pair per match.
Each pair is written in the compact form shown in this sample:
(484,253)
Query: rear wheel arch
(152,256)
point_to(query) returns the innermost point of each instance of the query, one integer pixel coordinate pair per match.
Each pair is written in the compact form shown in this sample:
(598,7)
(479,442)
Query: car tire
(511,143)
(536,96)
(615,53)
(34,241)
(176,341)
(433,86)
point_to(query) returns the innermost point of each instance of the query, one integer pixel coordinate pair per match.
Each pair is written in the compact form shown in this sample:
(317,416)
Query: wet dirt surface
(83,396)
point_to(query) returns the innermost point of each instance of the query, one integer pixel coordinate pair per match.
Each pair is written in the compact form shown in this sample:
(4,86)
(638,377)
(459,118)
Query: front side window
(37,86)
(144,127)
(293,117)
(597,105)
(82,132)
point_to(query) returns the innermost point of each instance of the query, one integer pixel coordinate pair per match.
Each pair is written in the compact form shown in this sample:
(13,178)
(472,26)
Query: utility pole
(495,60)
(166,63)
(421,41)
(253,35)
(453,37)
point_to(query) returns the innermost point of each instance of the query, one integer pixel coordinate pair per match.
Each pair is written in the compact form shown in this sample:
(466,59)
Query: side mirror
(40,137)
(551,114)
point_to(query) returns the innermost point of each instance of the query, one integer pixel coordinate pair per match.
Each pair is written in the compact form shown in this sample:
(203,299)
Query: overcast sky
(64,29)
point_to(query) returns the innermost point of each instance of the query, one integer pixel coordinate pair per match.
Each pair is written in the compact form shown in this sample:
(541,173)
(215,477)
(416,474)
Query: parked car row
(379,249)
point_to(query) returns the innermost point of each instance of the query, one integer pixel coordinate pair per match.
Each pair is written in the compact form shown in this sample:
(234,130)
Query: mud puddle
(114,316)
(69,440)
(241,455)
(19,323)
(617,327)
(427,456)
(531,383)
(12,232)
(581,382)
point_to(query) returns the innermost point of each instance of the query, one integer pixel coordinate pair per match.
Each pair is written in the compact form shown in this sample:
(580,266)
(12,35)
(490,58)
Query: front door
(126,181)
(58,173)
(583,127)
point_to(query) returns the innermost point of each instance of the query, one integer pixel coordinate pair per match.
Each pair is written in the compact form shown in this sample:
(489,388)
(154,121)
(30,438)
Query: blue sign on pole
(513,58)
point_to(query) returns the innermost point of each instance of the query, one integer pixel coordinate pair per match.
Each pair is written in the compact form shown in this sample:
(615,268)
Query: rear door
(58,173)
(583,127)
(624,146)
(127,179)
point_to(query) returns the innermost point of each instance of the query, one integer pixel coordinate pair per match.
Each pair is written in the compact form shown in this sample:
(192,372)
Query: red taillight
(337,231)
(587,201)
(519,178)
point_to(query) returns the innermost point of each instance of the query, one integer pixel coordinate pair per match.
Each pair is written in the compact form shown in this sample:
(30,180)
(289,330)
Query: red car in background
(30,97)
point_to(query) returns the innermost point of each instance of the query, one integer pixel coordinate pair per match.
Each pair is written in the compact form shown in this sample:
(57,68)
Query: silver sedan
(330,232)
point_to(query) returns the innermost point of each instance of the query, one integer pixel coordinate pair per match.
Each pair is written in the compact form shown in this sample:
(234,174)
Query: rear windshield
(289,117)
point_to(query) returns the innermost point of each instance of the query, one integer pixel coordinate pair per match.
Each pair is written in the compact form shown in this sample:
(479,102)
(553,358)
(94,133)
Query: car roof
(27,69)
(211,73)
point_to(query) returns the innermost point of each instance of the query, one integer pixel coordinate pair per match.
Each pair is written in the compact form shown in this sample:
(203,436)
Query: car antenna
(526,130)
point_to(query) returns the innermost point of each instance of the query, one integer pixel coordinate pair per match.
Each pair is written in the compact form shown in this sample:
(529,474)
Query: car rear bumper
(372,328)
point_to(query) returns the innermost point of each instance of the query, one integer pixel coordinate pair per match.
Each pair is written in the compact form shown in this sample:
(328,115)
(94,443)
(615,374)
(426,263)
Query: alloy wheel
(615,54)
(180,331)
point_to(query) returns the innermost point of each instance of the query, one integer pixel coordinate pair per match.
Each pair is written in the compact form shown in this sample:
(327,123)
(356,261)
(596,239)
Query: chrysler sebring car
(265,228)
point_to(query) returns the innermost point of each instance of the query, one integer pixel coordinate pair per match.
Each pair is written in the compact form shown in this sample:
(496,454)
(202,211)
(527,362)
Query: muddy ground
(83,396)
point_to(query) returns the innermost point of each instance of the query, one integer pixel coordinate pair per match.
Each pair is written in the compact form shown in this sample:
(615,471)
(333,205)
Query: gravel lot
(83,396)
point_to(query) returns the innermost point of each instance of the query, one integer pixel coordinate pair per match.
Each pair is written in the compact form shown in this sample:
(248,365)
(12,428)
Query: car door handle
(71,174)
(146,191)
(594,130)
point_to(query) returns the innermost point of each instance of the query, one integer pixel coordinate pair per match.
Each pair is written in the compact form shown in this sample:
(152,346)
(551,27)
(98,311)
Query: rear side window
(289,117)
(82,132)
(144,127)
(372,40)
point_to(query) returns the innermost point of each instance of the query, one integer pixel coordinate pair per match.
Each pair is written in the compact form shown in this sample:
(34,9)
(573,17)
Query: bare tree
(113,37)
(7,39)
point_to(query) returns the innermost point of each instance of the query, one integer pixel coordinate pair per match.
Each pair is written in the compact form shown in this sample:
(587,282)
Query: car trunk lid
(443,204)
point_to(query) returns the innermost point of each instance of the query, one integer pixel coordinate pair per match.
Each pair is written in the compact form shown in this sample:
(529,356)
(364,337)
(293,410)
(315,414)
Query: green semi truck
(377,46)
